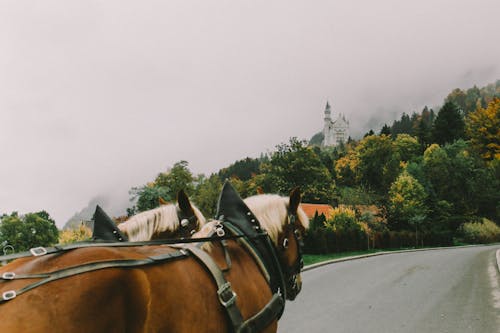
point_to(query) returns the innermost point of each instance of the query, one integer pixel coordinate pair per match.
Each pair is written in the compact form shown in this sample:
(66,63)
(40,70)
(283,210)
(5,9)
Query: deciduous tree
(406,147)
(28,231)
(483,129)
(296,164)
(179,177)
(406,202)
(378,166)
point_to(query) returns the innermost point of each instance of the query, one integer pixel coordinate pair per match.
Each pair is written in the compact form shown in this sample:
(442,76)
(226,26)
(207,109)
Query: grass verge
(310,259)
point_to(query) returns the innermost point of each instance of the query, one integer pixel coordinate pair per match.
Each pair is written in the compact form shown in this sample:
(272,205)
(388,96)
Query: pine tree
(449,125)
(386,130)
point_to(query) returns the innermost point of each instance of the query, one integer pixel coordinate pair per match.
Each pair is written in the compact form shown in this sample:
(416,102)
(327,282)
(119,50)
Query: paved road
(452,290)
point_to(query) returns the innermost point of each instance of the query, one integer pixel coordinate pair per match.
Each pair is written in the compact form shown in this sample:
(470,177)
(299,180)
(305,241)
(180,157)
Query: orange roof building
(311,209)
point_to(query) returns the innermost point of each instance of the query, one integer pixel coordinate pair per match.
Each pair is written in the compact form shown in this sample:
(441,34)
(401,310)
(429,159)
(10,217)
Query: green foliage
(148,197)
(242,169)
(207,193)
(317,139)
(436,166)
(377,166)
(296,164)
(460,178)
(406,202)
(424,126)
(406,147)
(28,231)
(386,130)
(402,126)
(179,177)
(166,186)
(356,196)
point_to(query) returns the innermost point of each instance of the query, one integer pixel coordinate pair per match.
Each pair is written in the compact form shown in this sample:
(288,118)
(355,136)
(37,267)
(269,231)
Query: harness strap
(40,251)
(254,253)
(264,317)
(71,271)
(227,297)
(229,264)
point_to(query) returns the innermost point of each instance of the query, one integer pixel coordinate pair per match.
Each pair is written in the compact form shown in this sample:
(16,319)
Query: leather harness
(234,217)
(226,295)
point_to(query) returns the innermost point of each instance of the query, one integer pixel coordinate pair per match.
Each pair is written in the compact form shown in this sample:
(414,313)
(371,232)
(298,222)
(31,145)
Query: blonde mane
(270,210)
(143,226)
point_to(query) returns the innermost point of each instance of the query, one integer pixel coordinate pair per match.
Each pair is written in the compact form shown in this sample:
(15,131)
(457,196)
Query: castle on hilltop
(335,131)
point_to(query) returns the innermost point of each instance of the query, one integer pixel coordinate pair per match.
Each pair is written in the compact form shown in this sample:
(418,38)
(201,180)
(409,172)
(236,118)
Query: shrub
(485,231)
(342,218)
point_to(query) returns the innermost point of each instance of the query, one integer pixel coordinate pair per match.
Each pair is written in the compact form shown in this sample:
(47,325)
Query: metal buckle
(222,292)
(184,222)
(220,232)
(38,251)
(8,275)
(8,295)
(219,229)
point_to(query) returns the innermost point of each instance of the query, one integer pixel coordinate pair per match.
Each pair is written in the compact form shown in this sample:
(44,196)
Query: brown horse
(168,221)
(155,294)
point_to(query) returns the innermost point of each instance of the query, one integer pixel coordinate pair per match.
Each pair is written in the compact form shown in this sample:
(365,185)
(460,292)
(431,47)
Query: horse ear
(260,190)
(184,203)
(105,228)
(162,201)
(295,198)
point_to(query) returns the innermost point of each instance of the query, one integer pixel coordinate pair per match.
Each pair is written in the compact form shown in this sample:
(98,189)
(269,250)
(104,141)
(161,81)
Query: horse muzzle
(294,287)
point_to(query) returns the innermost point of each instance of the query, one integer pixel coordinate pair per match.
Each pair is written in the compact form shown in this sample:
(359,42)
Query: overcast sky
(100,96)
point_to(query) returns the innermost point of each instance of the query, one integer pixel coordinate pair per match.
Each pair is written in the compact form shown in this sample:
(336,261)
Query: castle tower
(336,131)
(327,128)
(328,113)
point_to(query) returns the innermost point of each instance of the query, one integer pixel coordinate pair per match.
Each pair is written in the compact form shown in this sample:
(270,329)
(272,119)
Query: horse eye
(298,233)
(285,243)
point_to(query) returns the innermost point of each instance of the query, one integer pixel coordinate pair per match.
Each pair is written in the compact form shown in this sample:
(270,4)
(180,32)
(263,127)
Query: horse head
(179,220)
(286,223)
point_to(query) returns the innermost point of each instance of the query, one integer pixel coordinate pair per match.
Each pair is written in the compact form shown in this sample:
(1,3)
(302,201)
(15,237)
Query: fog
(99,96)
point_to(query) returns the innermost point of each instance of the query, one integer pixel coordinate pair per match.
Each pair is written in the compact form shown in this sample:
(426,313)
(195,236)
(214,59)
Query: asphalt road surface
(451,290)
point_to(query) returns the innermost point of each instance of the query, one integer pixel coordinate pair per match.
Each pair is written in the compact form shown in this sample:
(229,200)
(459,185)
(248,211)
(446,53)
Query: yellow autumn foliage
(75,235)
(342,218)
(483,128)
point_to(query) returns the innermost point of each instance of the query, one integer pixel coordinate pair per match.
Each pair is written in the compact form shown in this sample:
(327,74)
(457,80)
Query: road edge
(498,259)
(368,255)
